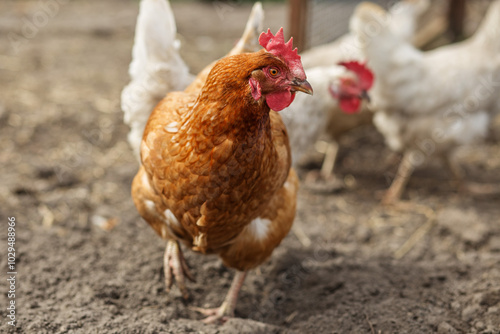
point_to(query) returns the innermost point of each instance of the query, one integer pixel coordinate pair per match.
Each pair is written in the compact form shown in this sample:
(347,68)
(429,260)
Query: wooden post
(456,17)
(298,23)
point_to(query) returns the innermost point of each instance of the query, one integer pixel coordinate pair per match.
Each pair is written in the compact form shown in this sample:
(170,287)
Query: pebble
(470,312)
(446,328)
(480,325)
(495,244)
(459,223)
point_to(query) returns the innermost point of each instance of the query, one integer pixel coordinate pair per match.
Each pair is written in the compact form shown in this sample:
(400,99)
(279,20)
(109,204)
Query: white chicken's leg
(325,180)
(226,310)
(405,169)
(329,163)
(175,265)
(455,169)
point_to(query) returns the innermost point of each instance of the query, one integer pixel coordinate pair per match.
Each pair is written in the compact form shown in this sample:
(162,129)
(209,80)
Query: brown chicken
(216,162)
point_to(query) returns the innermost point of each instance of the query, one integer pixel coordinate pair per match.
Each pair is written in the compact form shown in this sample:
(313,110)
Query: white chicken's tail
(249,41)
(488,33)
(373,25)
(156,68)
(403,17)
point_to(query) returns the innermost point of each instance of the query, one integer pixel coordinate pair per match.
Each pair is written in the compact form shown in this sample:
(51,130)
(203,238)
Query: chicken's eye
(273,72)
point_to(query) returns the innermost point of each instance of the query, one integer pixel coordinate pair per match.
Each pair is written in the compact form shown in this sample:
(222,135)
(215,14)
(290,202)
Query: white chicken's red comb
(363,72)
(276,45)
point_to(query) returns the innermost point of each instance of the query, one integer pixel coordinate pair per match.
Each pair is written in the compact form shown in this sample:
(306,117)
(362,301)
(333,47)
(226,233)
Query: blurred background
(86,261)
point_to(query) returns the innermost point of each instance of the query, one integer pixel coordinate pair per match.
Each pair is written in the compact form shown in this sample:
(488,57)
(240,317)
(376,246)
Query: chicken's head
(352,88)
(281,76)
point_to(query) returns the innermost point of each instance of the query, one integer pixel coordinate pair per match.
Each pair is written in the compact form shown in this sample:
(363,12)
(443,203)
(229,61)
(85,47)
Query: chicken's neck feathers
(225,104)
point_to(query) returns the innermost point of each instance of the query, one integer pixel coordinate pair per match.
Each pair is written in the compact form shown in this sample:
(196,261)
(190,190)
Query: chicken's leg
(405,169)
(456,171)
(175,265)
(329,163)
(226,310)
(325,180)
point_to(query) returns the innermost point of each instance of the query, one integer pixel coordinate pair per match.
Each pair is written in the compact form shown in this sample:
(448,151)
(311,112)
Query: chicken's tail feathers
(400,21)
(488,32)
(155,35)
(156,68)
(249,41)
(403,17)
(414,8)
(368,14)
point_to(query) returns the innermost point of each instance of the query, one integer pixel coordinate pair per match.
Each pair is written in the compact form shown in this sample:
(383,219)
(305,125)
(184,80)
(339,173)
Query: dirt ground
(348,266)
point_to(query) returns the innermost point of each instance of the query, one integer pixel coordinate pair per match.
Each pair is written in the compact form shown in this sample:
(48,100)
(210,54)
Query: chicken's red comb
(276,45)
(364,74)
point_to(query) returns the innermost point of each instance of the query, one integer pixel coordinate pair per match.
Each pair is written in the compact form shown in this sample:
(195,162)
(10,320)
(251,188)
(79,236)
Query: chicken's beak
(302,86)
(364,95)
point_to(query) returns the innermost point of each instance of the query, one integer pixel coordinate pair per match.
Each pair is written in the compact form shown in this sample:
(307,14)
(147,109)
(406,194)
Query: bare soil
(66,170)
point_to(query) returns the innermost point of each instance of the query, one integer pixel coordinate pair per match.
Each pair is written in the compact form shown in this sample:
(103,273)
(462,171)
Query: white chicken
(157,67)
(428,103)
(311,117)
(308,119)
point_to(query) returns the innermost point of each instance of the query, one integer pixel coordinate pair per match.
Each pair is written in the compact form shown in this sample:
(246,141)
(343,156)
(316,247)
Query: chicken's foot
(175,266)
(226,310)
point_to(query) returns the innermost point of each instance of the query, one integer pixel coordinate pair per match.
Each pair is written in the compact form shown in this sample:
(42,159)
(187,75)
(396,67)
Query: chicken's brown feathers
(214,160)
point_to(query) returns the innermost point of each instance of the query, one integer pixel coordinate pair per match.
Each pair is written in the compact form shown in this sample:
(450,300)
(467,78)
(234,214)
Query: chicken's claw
(318,183)
(175,266)
(221,313)
(226,310)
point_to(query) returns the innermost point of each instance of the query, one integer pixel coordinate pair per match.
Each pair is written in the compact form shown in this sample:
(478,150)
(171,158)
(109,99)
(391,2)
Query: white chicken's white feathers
(156,68)
(444,96)
(443,135)
(307,117)
(249,42)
